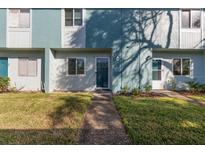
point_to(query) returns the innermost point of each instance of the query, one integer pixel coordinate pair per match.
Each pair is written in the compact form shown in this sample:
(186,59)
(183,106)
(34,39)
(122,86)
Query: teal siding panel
(103,30)
(3,66)
(46,33)
(2,27)
(46,28)
(132,34)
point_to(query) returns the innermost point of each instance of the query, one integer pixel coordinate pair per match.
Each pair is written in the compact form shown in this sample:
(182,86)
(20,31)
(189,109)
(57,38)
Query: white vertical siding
(61,81)
(23,82)
(191,39)
(19,37)
(73,36)
(197,71)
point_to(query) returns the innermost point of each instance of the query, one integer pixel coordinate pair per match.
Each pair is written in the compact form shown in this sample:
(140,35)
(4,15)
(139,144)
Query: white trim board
(17,29)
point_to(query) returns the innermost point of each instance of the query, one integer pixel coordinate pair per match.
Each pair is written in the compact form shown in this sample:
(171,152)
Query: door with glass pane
(102,72)
(157,74)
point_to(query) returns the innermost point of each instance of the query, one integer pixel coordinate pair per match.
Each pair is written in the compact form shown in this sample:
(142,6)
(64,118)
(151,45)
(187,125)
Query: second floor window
(73,17)
(191,18)
(19,18)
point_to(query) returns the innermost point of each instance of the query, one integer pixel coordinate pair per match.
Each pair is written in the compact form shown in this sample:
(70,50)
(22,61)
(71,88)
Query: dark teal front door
(3,67)
(102,65)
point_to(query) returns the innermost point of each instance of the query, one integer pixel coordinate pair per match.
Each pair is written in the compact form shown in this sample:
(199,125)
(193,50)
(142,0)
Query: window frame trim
(73,9)
(190,10)
(13,29)
(18,27)
(27,60)
(67,66)
(181,75)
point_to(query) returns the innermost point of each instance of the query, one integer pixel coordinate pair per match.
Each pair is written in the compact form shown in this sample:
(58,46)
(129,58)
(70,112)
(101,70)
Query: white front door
(157,74)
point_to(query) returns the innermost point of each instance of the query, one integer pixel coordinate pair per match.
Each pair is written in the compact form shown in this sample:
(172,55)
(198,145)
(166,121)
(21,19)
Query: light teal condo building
(88,49)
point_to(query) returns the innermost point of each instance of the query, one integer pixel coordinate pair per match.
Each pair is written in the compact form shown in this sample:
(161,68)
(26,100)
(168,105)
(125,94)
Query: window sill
(183,75)
(79,75)
(191,29)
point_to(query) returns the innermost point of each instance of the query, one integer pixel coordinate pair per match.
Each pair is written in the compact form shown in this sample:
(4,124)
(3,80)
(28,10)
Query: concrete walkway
(102,124)
(179,96)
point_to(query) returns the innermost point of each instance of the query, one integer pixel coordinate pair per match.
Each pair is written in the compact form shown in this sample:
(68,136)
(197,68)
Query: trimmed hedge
(4,84)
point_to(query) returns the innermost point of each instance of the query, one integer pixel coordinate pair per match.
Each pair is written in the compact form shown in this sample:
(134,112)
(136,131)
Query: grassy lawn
(162,120)
(197,97)
(38,118)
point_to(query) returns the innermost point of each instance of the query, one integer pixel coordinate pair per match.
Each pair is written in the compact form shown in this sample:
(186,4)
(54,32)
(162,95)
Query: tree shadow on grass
(73,108)
(38,136)
(65,124)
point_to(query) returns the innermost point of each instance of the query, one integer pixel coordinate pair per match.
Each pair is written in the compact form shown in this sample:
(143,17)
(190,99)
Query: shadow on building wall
(132,34)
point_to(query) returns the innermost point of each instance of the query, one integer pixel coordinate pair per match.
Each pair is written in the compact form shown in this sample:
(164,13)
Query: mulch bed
(142,94)
(186,93)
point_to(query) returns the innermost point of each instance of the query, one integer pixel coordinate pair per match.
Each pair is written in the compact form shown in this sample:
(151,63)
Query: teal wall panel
(46,28)
(46,33)
(103,30)
(2,27)
(132,34)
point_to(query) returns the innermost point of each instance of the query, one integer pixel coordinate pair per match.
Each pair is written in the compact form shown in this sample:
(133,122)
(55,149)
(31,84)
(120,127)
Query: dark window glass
(68,17)
(186,66)
(80,66)
(72,66)
(177,66)
(196,19)
(185,18)
(78,17)
(156,65)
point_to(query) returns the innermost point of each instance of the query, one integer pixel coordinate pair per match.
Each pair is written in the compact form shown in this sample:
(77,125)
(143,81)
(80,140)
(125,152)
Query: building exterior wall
(20,37)
(73,36)
(132,33)
(196,72)
(3,28)
(46,33)
(33,83)
(62,81)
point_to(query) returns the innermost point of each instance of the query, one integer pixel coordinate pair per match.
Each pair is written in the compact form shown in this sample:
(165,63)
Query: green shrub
(135,91)
(195,86)
(201,88)
(4,83)
(147,87)
(125,89)
(173,84)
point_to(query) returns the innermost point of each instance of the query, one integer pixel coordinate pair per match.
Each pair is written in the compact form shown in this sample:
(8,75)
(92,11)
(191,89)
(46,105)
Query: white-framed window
(181,66)
(76,66)
(73,17)
(19,18)
(191,18)
(27,67)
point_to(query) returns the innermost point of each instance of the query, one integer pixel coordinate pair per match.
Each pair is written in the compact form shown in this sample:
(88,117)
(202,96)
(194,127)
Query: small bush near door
(196,87)
(148,87)
(4,84)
